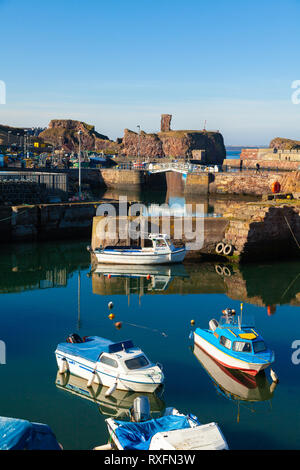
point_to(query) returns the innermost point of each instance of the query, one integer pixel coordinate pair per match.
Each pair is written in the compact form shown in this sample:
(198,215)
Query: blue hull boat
(235,345)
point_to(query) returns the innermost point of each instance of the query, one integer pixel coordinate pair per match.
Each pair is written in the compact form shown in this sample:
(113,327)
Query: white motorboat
(162,251)
(172,431)
(115,365)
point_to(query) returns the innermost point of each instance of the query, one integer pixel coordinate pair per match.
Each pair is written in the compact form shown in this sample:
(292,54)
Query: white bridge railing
(181,168)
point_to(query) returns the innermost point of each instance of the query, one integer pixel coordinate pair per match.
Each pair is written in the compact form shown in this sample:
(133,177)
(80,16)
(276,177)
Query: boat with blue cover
(172,431)
(235,344)
(20,434)
(115,365)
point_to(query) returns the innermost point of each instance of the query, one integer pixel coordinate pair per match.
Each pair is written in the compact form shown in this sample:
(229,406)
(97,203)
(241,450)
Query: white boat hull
(202,437)
(130,382)
(226,359)
(140,257)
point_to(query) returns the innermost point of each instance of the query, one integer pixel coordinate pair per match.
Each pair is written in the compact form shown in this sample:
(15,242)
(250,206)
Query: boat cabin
(130,361)
(161,240)
(233,336)
(120,357)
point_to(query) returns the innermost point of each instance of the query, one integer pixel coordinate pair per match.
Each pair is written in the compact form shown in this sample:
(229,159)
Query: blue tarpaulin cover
(139,435)
(90,349)
(19,434)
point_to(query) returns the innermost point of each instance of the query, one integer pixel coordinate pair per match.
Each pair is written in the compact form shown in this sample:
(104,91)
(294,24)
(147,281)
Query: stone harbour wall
(243,183)
(122,179)
(258,231)
(264,164)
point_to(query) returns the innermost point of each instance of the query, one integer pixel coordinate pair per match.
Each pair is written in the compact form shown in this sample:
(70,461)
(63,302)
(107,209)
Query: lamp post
(24,143)
(79,165)
(139,128)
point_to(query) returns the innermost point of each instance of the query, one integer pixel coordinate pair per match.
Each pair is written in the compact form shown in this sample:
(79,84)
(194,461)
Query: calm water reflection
(49,291)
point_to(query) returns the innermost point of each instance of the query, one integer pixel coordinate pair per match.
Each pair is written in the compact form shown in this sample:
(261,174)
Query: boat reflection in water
(140,279)
(235,385)
(117,405)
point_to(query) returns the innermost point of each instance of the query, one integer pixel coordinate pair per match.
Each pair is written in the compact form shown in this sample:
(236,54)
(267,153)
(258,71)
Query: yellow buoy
(111,316)
(192,322)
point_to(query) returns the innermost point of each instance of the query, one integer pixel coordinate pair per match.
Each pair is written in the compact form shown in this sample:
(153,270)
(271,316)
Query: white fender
(91,379)
(64,366)
(112,388)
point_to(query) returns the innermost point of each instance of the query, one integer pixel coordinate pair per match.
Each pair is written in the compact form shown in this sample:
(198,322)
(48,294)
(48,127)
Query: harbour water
(48,291)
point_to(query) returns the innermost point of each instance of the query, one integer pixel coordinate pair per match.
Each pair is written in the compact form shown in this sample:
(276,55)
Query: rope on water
(11,216)
(289,286)
(292,232)
(147,328)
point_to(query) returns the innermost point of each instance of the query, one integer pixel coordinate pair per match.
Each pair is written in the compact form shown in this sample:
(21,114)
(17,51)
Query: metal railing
(52,181)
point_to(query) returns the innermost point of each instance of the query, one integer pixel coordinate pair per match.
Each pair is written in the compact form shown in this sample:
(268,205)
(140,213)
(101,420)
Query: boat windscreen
(115,347)
(259,346)
(243,321)
(136,362)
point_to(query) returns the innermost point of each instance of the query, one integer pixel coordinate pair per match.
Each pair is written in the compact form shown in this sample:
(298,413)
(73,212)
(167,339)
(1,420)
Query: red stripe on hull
(249,382)
(252,372)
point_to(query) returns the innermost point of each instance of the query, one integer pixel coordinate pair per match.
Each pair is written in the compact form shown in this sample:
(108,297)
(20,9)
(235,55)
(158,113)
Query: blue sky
(118,64)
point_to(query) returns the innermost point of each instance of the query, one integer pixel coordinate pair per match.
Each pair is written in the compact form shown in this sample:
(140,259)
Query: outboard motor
(74,338)
(141,409)
(229,312)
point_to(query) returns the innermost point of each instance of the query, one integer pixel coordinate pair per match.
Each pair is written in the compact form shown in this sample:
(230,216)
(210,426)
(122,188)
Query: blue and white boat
(172,431)
(235,344)
(162,251)
(20,434)
(115,365)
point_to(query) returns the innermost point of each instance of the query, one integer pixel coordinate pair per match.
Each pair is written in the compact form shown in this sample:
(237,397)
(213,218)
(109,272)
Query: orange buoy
(275,187)
(118,325)
(109,276)
(111,316)
(271,309)
(148,277)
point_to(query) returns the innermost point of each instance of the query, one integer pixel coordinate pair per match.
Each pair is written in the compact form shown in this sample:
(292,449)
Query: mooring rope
(292,232)
(146,328)
(11,216)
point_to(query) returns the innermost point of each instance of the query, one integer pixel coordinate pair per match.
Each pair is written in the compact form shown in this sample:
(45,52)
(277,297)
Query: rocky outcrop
(176,144)
(181,143)
(64,133)
(142,144)
(285,144)
(165,122)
